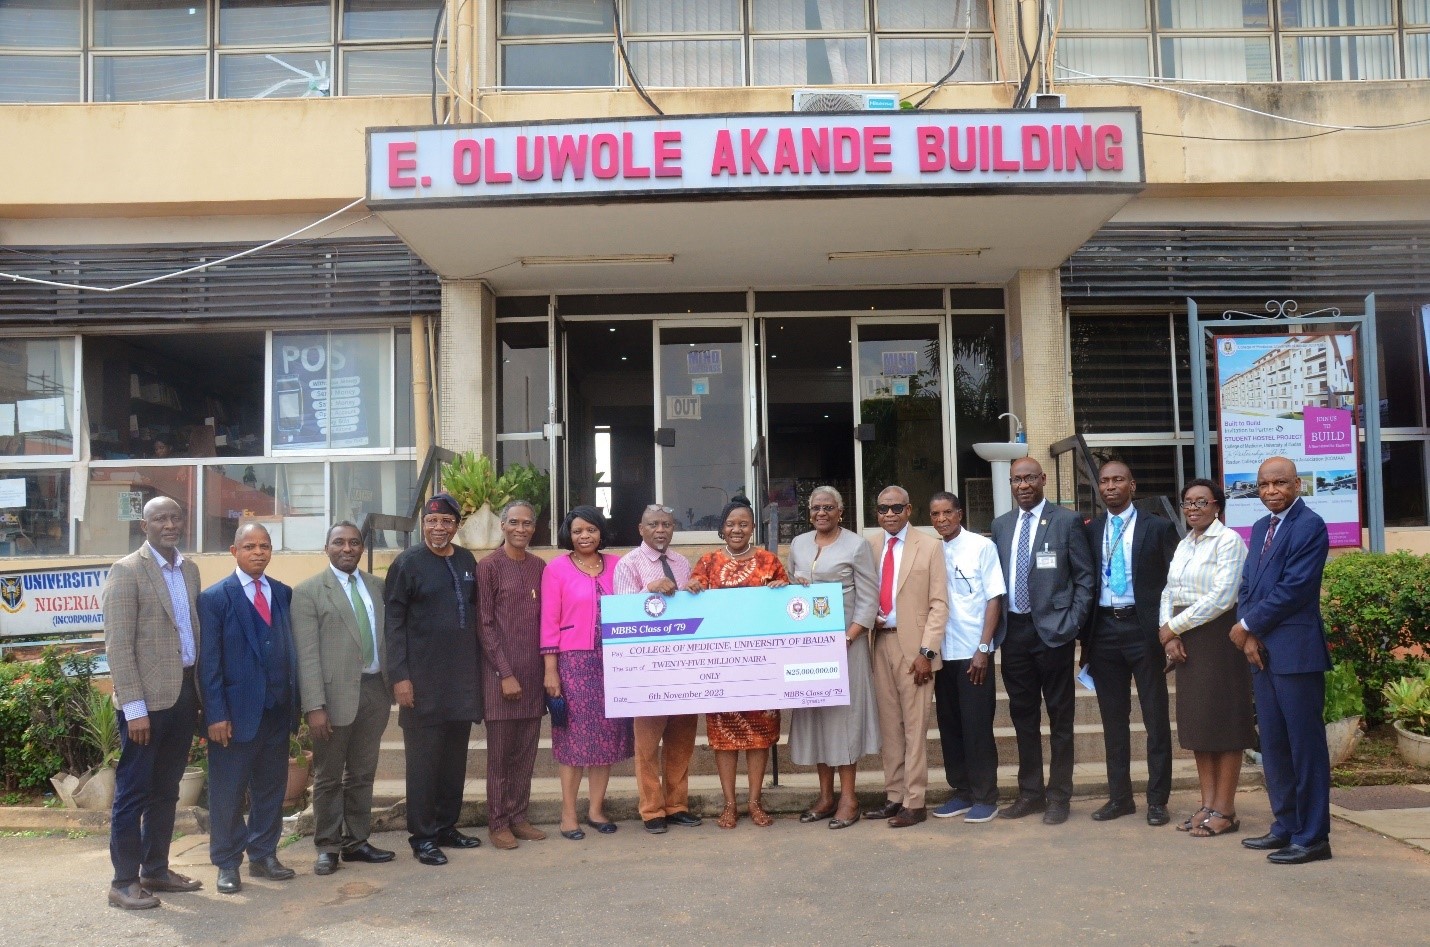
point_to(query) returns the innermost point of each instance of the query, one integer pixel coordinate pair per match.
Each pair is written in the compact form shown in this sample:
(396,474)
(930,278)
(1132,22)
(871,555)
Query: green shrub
(1408,700)
(1344,695)
(42,730)
(1376,605)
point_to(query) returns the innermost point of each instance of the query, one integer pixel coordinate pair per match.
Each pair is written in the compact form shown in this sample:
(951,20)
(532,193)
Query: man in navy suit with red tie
(1281,633)
(249,682)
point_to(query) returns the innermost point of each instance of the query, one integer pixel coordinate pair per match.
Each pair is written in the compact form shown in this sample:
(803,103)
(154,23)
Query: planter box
(1342,736)
(1414,749)
(191,786)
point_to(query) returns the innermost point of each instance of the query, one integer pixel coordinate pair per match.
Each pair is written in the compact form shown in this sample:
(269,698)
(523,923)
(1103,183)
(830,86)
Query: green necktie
(364,623)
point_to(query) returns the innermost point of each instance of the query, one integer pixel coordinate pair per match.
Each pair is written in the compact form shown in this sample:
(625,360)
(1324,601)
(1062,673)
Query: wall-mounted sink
(1006,451)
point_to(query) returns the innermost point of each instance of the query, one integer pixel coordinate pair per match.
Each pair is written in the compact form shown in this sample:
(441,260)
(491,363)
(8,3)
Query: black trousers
(436,771)
(1034,674)
(965,730)
(146,788)
(1121,654)
(258,768)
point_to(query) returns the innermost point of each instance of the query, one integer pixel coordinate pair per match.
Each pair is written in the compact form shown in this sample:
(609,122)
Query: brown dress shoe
(132,897)
(171,881)
(907,817)
(527,832)
(503,838)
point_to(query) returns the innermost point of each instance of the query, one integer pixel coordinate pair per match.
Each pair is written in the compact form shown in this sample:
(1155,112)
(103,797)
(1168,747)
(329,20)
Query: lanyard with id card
(1045,558)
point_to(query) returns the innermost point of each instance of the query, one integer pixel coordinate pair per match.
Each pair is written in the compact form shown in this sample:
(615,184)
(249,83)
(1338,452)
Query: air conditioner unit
(840,100)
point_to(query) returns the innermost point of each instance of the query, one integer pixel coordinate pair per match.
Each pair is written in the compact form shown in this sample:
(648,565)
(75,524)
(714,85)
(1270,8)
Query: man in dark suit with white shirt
(1049,572)
(1133,553)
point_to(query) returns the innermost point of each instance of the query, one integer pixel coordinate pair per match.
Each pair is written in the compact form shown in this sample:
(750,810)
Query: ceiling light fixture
(618,259)
(899,254)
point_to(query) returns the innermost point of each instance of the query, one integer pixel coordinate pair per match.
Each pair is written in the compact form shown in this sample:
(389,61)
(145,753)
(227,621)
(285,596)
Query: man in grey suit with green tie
(337,629)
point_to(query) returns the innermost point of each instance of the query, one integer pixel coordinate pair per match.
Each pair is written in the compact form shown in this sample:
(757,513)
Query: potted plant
(300,766)
(1342,712)
(1408,705)
(471,480)
(95,789)
(191,784)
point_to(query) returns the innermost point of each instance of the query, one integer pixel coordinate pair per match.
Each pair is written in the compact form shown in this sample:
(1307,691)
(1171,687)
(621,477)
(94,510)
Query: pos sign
(319,396)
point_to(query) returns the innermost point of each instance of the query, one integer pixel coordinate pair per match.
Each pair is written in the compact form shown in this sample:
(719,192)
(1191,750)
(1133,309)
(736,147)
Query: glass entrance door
(901,412)
(703,410)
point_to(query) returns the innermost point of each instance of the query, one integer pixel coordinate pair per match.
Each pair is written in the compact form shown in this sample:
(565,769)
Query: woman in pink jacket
(571,590)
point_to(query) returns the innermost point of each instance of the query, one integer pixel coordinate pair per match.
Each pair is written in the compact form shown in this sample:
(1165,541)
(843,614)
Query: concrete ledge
(189,821)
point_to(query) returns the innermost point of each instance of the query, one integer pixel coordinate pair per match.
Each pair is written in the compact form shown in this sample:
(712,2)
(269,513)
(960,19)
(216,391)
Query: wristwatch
(985,648)
(929,653)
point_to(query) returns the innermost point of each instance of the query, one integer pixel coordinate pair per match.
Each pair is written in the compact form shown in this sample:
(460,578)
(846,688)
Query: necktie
(1270,535)
(1118,577)
(665,567)
(364,623)
(1022,601)
(886,579)
(260,603)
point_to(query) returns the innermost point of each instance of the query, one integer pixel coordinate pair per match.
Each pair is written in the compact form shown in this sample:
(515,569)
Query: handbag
(560,713)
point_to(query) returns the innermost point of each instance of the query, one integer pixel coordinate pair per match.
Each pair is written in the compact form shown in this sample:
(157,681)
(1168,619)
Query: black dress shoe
(1023,805)
(907,817)
(887,811)
(271,868)
(655,826)
(429,854)
(228,881)
(1116,810)
(451,838)
(170,881)
(368,853)
(1265,843)
(684,818)
(1057,813)
(1294,854)
(1157,815)
(131,897)
(326,864)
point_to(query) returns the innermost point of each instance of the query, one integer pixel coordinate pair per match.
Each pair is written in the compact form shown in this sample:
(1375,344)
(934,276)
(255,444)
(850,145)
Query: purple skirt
(590,738)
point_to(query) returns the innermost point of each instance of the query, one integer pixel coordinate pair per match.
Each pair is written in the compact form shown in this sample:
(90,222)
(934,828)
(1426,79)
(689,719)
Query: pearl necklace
(749,551)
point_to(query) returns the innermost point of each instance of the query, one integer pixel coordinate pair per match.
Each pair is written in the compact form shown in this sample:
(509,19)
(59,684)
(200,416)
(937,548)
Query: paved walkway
(942,882)
(1398,812)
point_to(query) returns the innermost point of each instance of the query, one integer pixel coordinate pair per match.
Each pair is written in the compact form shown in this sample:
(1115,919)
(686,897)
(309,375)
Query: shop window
(331,390)
(523,376)
(34,512)
(137,23)
(114,505)
(274,22)
(174,395)
(288,499)
(36,397)
(389,19)
(363,487)
(1122,374)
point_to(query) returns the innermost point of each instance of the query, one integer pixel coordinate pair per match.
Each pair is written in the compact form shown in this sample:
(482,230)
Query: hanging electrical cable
(1032,57)
(626,59)
(437,30)
(958,55)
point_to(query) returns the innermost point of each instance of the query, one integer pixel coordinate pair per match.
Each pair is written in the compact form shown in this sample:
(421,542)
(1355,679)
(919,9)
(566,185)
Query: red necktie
(261,604)
(886,580)
(1270,535)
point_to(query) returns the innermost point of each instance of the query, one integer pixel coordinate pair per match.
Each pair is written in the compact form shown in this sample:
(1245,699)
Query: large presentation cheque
(724,649)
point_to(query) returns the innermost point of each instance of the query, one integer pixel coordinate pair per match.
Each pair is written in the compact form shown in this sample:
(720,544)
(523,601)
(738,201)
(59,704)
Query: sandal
(1203,829)
(1192,821)
(728,816)
(759,816)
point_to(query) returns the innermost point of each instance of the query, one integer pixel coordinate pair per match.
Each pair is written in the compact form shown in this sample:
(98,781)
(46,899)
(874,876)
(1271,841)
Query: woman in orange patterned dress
(740,565)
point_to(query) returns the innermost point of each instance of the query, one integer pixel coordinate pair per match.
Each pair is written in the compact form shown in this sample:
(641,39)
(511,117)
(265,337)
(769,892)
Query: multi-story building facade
(682,346)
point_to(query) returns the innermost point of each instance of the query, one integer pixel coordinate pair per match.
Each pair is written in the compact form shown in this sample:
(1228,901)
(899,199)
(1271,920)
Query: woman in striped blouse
(1214,716)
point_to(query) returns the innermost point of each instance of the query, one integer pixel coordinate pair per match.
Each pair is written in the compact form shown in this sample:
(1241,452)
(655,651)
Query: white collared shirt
(247,581)
(974,579)
(342,578)
(891,620)
(1037,512)
(1105,598)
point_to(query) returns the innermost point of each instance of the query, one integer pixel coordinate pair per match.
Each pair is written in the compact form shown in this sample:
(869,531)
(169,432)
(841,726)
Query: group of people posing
(455,642)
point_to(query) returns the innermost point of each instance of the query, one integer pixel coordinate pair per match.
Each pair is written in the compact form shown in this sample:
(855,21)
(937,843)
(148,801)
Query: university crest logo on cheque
(821,606)
(654,606)
(12,593)
(798,609)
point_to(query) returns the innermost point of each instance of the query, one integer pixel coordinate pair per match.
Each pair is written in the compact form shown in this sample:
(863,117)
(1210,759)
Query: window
(1121,370)
(288,499)
(331,390)
(37,397)
(34,512)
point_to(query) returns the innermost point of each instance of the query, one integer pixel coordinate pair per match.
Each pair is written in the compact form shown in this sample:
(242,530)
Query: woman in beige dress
(836,737)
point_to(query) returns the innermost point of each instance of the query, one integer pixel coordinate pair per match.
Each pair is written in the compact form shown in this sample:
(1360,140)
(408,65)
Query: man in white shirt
(964,697)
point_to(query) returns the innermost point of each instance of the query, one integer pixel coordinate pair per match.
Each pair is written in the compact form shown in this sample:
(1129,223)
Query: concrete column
(1039,384)
(466,367)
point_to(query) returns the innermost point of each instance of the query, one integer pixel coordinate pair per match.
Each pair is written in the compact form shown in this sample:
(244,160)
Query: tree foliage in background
(43,720)
(1377,612)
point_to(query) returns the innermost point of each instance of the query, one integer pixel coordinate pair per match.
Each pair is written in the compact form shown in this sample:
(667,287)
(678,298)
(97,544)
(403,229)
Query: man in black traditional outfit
(434,664)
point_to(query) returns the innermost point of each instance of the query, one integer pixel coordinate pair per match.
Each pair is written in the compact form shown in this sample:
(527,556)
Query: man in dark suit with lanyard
(249,682)
(1280,631)
(1048,569)
(1121,641)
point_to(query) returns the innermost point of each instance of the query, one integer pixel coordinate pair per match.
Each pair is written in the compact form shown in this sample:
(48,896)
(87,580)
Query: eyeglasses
(1028,479)
(446,521)
(894,508)
(1276,484)
(1196,504)
(657,508)
(823,508)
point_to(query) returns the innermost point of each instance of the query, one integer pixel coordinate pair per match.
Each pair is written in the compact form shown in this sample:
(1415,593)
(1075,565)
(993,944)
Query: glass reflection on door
(701,419)
(900,394)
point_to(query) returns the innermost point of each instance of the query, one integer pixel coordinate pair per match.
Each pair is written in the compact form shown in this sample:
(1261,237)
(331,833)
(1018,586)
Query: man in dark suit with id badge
(1048,569)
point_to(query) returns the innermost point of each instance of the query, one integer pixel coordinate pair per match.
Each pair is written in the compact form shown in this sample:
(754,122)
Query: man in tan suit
(151,630)
(337,630)
(913,607)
